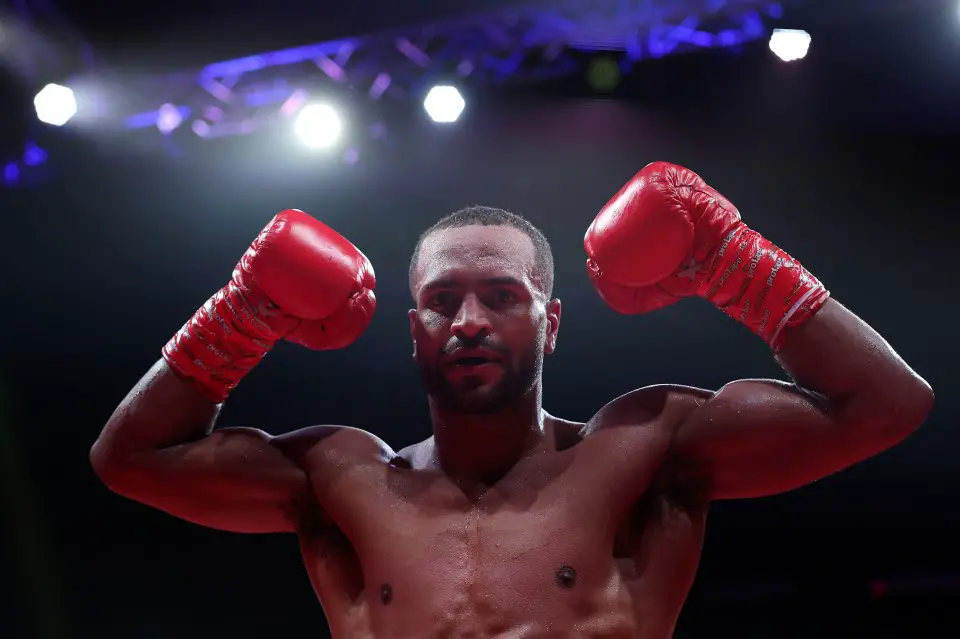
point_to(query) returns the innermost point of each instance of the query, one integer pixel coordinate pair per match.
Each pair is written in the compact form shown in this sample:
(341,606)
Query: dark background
(847,159)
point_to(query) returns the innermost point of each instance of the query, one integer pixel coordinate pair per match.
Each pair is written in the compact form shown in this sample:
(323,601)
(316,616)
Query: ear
(553,326)
(412,314)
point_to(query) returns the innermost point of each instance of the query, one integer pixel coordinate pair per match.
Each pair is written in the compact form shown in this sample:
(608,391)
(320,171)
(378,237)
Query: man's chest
(543,544)
(521,550)
(496,534)
(565,497)
(554,521)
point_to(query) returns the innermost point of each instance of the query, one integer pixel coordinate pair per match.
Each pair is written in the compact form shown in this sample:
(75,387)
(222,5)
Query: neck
(482,448)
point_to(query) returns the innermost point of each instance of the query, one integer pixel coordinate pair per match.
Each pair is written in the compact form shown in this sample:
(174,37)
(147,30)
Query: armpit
(683,488)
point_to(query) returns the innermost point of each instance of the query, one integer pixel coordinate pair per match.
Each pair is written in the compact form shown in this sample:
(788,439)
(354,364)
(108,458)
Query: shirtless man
(510,522)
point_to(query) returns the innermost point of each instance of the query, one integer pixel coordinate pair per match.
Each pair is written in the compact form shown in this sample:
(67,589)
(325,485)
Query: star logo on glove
(690,270)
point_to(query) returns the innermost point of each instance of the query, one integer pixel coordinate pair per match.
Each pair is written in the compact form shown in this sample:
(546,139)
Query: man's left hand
(651,243)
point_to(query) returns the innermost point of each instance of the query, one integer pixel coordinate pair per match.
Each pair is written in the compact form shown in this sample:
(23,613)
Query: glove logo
(690,270)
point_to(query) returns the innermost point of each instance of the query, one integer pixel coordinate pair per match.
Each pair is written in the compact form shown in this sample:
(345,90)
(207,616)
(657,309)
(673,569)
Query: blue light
(141,120)
(150,118)
(11,173)
(267,96)
(283,57)
(33,155)
(516,44)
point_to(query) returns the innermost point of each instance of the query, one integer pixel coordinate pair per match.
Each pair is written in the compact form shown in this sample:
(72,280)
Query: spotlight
(318,126)
(33,155)
(11,173)
(790,45)
(444,104)
(169,118)
(55,105)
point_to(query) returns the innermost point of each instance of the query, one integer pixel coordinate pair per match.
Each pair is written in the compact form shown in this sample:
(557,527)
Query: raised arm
(159,448)
(853,398)
(668,235)
(298,281)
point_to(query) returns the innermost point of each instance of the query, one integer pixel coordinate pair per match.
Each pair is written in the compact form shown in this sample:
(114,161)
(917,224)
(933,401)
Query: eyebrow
(492,281)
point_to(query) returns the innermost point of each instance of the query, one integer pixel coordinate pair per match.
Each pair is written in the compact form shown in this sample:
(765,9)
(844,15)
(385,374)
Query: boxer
(508,521)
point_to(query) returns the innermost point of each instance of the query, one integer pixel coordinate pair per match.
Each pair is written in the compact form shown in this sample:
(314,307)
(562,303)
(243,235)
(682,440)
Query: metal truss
(240,96)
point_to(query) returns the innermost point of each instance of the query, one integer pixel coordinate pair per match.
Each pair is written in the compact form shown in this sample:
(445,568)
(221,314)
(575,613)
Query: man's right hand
(299,281)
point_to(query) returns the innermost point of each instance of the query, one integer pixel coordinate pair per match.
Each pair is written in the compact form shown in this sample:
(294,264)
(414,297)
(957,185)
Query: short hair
(489,216)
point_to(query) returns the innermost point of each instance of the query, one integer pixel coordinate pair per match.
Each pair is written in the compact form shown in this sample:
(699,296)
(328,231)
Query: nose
(471,320)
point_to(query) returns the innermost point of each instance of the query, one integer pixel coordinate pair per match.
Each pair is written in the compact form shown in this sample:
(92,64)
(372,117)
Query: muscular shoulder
(343,444)
(635,434)
(664,406)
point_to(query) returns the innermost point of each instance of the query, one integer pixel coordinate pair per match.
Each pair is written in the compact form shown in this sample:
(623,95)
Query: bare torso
(582,540)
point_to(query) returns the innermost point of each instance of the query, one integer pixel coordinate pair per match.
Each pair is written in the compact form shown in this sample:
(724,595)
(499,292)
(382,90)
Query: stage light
(33,155)
(790,45)
(11,173)
(55,105)
(444,104)
(318,126)
(169,118)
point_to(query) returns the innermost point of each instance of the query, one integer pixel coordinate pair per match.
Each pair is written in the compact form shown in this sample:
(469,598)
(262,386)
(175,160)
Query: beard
(518,377)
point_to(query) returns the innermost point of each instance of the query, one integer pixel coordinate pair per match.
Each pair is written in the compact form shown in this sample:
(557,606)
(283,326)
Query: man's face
(481,325)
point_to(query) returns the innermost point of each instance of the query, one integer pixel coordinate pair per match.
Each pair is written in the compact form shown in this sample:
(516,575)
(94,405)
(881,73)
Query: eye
(441,299)
(506,296)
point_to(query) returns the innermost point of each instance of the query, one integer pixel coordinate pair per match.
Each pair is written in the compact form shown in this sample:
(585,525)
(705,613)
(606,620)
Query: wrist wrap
(760,285)
(224,340)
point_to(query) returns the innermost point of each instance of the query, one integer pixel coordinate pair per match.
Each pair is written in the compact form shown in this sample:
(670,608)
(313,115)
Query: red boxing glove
(298,281)
(668,235)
